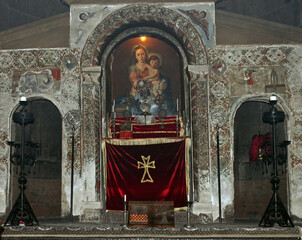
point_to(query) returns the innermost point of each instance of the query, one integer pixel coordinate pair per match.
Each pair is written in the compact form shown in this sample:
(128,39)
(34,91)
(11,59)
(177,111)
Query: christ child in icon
(153,77)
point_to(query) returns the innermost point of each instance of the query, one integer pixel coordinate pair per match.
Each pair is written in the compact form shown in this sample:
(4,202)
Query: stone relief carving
(218,116)
(142,12)
(2,170)
(70,61)
(72,119)
(70,88)
(5,60)
(4,83)
(27,59)
(200,18)
(254,56)
(275,55)
(205,218)
(218,67)
(36,81)
(219,90)
(49,58)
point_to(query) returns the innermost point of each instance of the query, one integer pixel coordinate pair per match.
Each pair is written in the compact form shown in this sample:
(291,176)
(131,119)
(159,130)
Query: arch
(281,106)
(45,176)
(142,15)
(156,19)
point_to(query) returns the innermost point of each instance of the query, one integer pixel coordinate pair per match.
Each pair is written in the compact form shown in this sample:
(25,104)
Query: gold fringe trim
(142,141)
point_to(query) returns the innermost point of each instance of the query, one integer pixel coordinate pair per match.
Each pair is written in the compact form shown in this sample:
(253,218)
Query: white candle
(113,106)
(273,98)
(125,198)
(177,104)
(23,99)
(188,198)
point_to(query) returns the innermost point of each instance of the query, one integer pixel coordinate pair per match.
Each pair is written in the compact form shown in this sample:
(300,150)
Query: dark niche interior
(253,189)
(43,189)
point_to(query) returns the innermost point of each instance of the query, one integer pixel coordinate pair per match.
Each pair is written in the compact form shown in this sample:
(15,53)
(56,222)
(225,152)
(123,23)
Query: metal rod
(22,164)
(218,176)
(72,173)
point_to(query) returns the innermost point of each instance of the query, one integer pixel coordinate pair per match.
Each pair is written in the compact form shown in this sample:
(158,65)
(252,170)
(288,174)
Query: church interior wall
(235,74)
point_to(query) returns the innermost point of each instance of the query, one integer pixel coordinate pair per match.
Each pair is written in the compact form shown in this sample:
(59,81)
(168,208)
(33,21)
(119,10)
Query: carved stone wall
(221,79)
(51,74)
(243,73)
(191,41)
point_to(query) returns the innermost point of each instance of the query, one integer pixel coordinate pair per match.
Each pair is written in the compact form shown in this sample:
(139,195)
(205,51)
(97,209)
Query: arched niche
(117,59)
(44,177)
(138,15)
(252,172)
(165,24)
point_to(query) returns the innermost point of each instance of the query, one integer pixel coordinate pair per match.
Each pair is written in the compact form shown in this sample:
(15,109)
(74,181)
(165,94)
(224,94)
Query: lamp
(275,211)
(22,213)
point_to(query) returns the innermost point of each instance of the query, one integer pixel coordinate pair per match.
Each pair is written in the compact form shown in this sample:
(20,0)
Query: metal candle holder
(275,211)
(125,215)
(189,226)
(22,213)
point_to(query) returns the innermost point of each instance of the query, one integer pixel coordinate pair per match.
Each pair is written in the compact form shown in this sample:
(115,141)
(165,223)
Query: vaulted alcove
(252,169)
(43,188)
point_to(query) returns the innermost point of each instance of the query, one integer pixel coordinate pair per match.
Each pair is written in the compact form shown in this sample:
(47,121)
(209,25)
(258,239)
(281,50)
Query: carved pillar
(200,135)
(91,144)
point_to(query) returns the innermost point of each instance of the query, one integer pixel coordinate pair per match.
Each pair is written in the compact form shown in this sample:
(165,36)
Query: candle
(273,98)
(188,198)
(177,104)
(113,106)
(23,99)
(125,198)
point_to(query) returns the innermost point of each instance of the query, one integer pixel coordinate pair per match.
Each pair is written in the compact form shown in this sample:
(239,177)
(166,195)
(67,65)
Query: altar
(151,214)
(154,169)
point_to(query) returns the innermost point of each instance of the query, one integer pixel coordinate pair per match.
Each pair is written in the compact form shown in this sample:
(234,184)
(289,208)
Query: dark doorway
(253,189)
(44,177)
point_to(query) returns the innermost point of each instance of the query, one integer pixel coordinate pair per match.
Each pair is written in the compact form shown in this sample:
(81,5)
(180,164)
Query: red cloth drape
(257,142)
(124,177)
(154,130)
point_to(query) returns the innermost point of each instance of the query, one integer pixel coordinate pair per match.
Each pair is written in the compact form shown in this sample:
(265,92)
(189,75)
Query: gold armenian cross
(146,165)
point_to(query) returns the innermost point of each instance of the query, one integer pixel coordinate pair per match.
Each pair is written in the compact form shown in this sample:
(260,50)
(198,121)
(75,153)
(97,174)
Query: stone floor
(64,229)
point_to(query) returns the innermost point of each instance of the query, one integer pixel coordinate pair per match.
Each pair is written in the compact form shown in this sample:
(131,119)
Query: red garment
(257,142)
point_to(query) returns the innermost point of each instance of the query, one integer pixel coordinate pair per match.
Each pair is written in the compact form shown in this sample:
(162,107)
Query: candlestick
(273,98)
(113,106)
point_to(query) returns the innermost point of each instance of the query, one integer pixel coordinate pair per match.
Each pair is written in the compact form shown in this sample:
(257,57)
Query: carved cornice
(166,18)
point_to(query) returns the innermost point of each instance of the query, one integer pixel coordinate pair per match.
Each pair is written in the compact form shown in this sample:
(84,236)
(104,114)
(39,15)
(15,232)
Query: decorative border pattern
(143,13)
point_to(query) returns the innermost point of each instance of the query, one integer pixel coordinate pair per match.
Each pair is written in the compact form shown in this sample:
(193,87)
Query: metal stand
(125,213)
(72,175)
(275,211)
(189,226)
(114,124)
(22,213)
(218,176)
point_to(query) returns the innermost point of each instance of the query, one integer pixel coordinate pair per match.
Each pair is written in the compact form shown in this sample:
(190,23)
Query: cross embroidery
(146,165)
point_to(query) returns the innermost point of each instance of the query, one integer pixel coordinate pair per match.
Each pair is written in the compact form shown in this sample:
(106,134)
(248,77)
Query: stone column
(91,147)
(200,136)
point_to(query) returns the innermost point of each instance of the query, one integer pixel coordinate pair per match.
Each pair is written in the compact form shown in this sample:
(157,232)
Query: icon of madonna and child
(150,91)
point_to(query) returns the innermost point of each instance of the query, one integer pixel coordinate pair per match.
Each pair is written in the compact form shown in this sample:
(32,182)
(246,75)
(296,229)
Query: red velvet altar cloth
(164,165)
(151,130)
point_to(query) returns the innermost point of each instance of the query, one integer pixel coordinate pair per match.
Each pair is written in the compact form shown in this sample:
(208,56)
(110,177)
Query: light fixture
(143,38)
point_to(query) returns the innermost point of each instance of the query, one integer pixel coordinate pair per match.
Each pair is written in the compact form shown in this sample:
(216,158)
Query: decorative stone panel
(143,13)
